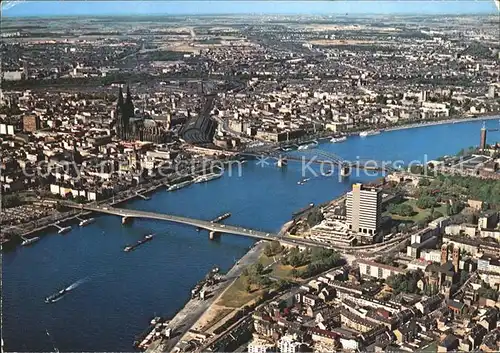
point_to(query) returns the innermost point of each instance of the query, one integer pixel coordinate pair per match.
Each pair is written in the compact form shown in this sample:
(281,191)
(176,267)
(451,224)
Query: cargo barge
(147,238)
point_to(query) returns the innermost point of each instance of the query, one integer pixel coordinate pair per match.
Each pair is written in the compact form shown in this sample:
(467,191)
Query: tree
(403,210)
(426,202)
(258,268)
(424,182)
(11,201)
(273,248)
(436,215)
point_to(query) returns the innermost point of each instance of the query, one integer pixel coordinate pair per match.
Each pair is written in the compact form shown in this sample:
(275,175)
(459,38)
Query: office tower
(482,143)
(364,209)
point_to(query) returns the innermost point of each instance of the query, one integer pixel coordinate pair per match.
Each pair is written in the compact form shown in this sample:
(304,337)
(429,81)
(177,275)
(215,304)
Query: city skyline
(206,7)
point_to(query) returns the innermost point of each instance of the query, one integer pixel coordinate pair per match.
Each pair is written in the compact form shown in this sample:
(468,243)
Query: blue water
(123,291)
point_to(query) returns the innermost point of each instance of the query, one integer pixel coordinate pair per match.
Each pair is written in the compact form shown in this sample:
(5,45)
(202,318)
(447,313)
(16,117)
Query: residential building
(377,270)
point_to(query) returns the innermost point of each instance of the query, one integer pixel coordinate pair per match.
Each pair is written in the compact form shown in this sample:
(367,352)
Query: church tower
(124,111)
(444,254)
(128,110)
(456,258)
(119,115)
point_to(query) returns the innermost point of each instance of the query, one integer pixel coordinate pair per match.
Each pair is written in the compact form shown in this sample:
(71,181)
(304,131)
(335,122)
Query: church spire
(120,97)
(128,100)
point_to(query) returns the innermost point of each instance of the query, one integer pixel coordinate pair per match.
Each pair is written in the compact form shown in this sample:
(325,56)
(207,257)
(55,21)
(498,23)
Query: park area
(409,211)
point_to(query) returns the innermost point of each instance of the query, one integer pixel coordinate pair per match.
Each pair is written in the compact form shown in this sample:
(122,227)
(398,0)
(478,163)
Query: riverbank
(443,122)
(43,224)
(194,309)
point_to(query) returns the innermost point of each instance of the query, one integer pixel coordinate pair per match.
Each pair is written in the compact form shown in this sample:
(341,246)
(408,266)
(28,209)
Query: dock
(62,229)
(143,196)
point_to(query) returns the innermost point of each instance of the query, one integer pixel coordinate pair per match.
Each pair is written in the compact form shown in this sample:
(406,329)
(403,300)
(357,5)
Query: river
(123,291)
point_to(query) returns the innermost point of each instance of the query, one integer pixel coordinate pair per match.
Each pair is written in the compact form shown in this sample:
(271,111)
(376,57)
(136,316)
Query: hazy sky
(82,8)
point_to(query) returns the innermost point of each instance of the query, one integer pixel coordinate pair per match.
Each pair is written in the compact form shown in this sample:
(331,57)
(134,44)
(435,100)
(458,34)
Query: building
(482,142)
(491,91)
(260,345)
(124,112)
(290,344)
(31,123)
(376,270)
(448,344)
(406,332)
(488,220)
(364,210)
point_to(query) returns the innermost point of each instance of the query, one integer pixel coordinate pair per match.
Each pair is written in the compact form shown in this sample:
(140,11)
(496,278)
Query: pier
(143,196)
(62,230)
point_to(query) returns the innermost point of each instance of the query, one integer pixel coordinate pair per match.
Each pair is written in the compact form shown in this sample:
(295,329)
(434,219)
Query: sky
(158,7)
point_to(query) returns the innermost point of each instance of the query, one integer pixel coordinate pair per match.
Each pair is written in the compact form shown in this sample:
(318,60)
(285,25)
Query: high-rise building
(364,209)
(482,143)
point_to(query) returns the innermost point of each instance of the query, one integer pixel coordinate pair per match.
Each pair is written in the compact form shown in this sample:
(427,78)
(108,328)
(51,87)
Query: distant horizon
(60,9)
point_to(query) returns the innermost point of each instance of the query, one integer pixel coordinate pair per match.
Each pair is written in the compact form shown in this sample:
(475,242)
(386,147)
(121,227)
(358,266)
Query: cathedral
(124,113)
(128,126)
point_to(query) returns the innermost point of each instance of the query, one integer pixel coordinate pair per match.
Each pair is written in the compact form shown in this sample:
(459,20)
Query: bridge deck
(216,227)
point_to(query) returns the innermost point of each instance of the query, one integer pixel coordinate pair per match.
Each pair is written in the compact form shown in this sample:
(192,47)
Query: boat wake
(77,283)
(62,293)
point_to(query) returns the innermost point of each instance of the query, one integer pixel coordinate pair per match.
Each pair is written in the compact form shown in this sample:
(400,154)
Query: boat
(179,185)
(303,181)
(207,177)
(54,297)
(369,133)
(302,210)
(85,222)
(147,238)
(308,145)
(338,139)
(29,241)
(221,217)
(64,230)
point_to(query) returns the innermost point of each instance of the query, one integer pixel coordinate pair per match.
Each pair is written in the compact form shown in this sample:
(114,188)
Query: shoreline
(193,310)
(442,122)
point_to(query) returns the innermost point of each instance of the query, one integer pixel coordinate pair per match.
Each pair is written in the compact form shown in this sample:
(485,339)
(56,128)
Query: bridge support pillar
(282,162)
(345,171)
(126,220)
(213,234)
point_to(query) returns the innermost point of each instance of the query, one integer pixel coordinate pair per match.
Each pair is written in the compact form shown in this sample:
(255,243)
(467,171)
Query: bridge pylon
(282,161)
(127,220)
(345,171)
(213,234)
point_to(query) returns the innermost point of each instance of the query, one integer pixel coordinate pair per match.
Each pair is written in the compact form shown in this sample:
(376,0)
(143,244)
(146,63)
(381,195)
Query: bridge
(211,227)
(318,156)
